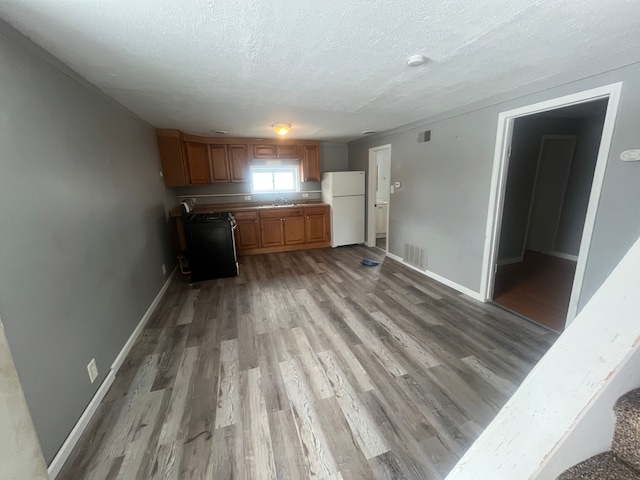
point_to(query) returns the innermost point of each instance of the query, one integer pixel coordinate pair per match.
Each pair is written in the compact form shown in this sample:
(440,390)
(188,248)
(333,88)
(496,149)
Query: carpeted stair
(622,462)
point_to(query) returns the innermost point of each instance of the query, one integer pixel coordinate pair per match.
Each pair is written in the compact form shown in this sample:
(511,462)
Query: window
(274,179)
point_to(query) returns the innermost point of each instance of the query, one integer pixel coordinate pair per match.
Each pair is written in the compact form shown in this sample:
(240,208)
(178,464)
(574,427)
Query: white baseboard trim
(509,261)
(61,457)
(441,279)
(58,462)
(145,318)
(566,256)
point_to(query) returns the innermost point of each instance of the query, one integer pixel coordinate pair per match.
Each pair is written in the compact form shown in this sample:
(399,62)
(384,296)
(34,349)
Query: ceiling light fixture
(281,128)
(369,132)
(416,60)
(219,132)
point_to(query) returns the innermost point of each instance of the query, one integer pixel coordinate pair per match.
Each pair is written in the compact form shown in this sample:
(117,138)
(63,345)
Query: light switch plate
(630,155)
(92,368)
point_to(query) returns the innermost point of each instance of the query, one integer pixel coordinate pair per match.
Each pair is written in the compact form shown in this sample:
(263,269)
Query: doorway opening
(548,173)
(379,197)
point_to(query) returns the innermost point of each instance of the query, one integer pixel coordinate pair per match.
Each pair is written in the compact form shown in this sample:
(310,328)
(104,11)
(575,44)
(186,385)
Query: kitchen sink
(278,206)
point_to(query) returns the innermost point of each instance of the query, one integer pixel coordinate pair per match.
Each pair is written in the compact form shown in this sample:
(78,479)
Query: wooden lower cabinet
(294,229)
(281,229)
(317,224)
(271,232)
(248,231)
(282,226)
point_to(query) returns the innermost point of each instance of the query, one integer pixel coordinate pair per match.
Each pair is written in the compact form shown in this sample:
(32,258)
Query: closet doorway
(548,186)
(379,196)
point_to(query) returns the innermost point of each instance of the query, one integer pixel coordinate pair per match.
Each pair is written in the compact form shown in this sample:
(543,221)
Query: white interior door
(373,188)
(554,167)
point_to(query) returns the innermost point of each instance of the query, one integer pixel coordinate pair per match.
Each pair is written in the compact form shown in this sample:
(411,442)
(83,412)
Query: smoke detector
(416,60)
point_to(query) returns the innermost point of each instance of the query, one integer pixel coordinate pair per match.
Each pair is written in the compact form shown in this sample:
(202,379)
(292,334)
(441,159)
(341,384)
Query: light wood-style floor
(539,288)
(308,365)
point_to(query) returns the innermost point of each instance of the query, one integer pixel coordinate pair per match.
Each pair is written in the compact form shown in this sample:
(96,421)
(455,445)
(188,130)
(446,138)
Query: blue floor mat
(369,263)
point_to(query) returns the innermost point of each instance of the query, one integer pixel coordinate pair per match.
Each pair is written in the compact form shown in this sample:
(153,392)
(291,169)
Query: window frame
(294,169)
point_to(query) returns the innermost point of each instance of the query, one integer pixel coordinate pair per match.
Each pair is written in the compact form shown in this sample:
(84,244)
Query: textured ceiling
(332,68)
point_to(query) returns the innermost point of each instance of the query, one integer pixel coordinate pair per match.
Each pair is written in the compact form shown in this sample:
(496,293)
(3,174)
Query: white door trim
(498,183)
(371,197)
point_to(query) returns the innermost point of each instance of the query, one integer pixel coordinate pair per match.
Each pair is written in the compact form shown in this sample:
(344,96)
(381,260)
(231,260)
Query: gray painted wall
(333,157)
(444,201)
(525,147)
(84,231)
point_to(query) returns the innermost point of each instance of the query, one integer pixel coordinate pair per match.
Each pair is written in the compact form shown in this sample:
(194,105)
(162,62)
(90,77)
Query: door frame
(371,198)
(502,153)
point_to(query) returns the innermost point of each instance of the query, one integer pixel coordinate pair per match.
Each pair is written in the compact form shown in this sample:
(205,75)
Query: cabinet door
(172,158)
(288,151)
(239,163)
(198,163)
(265,152)
(310,164)
(271,232)
(248,231)
(247,235)
(294,230)
(317,224)
(219,163)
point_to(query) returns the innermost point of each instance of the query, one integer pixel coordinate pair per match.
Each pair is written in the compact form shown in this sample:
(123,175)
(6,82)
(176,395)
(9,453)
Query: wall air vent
(424,136)
(415,256)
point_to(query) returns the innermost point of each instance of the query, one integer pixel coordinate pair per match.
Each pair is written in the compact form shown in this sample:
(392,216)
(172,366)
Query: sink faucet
(282,201)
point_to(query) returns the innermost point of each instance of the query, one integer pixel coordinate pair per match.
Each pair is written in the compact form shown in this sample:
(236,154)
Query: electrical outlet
(92,368)
(247,197)
(164,270)
(305,195)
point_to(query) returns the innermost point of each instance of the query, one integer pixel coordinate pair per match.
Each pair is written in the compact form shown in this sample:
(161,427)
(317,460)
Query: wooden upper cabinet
(198,163)
(269,152)
(288,151)
(218,156)
(310,164)
(265,152)
(239,163)
(194,160)
(172,158)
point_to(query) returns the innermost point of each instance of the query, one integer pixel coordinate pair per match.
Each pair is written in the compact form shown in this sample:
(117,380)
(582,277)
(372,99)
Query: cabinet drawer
(315,210)
(253,215)
(281,212)
(293,212)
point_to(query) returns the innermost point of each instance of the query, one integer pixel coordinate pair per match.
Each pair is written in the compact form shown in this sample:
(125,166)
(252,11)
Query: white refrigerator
(344,191)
